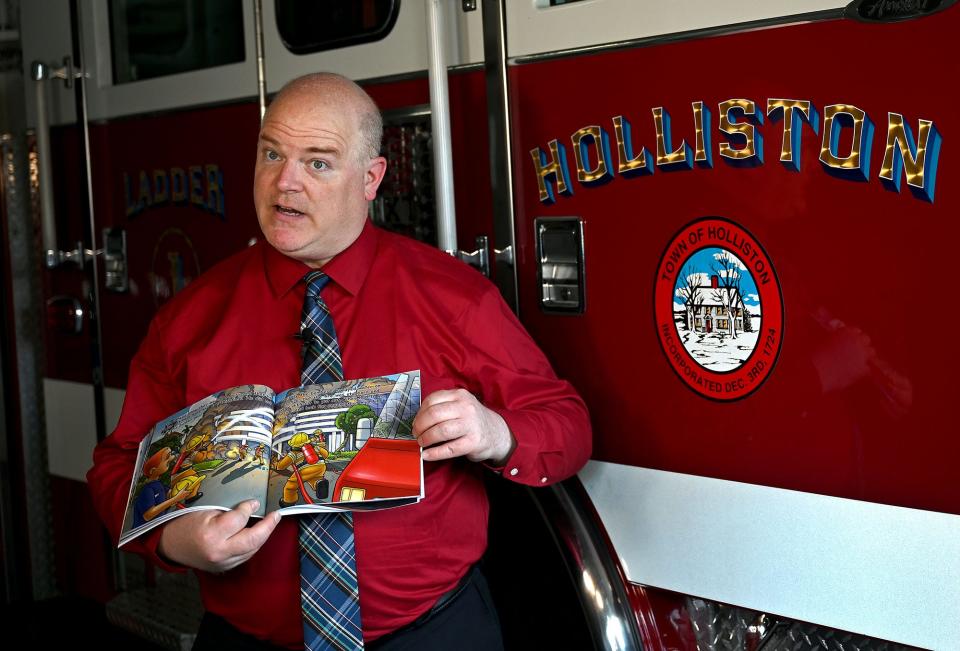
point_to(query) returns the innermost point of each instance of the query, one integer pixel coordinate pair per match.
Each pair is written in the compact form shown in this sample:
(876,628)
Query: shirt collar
(349,268)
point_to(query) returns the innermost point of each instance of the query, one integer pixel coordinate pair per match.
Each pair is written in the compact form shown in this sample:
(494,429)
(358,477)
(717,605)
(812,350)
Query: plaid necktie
(329,596)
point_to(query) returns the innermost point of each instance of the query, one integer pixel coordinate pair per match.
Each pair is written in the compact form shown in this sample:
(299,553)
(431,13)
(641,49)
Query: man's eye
(318,165)
(271,155)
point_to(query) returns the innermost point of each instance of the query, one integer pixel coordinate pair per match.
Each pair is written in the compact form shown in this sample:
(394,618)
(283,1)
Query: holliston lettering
(846,140)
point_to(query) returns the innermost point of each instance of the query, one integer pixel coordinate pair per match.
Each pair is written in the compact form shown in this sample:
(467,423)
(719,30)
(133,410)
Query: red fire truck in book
(731,225)
(380,470)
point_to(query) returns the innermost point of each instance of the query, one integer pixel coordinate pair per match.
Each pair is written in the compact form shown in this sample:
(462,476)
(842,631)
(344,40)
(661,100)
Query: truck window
(307,27)
(154,38)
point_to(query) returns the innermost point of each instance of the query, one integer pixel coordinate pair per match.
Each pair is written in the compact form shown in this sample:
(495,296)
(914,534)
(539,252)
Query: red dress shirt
(397,305)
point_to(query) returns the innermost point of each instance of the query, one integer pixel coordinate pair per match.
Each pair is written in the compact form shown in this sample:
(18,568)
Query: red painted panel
(471,157)
(400,94)
(859,404)
(170,242)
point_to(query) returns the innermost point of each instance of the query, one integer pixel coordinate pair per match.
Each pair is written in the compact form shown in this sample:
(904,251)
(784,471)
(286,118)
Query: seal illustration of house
(716,309)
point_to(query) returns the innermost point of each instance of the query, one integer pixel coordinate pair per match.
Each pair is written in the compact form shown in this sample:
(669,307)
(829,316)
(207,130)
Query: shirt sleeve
(152,394)
(546,416)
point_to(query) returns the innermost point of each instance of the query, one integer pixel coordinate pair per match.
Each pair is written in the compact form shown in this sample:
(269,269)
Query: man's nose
(290,179)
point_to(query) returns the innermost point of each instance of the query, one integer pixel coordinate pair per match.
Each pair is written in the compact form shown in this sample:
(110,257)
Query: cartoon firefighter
(308,456)
(199,448)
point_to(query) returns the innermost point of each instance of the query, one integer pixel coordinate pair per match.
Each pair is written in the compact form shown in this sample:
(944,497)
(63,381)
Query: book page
(211,455)
(347,445)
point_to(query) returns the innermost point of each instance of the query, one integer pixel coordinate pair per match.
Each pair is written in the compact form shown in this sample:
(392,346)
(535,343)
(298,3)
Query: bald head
(330,88)
(318,167)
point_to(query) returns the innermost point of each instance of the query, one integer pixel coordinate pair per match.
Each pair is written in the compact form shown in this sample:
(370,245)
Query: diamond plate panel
(405,202)
(796,636)
(18,190)
(719,627)
(167,614)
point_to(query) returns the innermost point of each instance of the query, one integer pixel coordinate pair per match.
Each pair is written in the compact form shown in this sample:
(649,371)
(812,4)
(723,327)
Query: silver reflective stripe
(887,572)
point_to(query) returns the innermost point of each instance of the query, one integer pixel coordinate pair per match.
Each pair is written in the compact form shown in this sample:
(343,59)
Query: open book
(326,447)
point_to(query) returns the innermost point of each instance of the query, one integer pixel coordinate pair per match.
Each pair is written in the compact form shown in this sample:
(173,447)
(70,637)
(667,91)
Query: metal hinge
(480,258)
(40,71)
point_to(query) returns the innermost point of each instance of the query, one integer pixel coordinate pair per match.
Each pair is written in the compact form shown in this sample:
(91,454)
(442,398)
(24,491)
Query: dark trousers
(466,622)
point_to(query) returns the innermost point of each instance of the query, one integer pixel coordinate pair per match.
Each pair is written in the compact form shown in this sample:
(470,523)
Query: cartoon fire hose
(308,458)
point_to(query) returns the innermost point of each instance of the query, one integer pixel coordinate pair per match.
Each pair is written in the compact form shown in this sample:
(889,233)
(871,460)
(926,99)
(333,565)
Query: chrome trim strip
(393,116)
(501,160)
(646,41)
(600,587)
(261,67)
(419,74)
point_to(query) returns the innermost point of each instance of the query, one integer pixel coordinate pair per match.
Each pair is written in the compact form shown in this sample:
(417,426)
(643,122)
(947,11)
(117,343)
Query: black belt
(445,600)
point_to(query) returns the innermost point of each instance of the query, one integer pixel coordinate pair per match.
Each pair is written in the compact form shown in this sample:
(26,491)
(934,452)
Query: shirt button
(513,472)
(543,480)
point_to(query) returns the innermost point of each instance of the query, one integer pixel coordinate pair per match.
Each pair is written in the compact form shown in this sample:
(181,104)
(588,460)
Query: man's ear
(373,175)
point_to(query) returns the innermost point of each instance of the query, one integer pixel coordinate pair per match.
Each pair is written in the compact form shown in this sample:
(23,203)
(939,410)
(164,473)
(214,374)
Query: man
(491,396)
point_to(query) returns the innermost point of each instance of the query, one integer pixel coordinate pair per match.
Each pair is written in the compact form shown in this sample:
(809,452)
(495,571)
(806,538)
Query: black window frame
(344,41)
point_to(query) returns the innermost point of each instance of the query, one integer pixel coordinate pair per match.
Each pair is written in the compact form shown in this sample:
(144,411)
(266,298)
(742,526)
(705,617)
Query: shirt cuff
(149,543)
(524,464)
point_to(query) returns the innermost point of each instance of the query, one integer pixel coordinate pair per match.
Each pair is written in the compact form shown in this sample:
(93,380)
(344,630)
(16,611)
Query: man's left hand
(453,423)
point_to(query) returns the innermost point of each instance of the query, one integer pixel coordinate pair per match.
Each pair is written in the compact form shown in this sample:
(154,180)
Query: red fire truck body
(731,228)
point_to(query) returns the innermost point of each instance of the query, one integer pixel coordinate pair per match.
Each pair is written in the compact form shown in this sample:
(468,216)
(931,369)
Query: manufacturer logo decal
(893,10)
(718,309)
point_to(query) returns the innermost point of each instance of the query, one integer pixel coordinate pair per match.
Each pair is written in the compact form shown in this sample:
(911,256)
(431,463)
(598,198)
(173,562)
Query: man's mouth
(285,210)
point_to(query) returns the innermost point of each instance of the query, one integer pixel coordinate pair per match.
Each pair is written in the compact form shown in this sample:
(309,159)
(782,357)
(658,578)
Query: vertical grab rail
(40,72)
(261,68)
(440,124)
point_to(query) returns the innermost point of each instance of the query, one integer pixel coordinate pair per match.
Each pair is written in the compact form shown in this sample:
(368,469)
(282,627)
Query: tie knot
(316,280)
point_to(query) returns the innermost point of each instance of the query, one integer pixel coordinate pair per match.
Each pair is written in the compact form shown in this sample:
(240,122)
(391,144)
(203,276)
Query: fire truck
(731,225)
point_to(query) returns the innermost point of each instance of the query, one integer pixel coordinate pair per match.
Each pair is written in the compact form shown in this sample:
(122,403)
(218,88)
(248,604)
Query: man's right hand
(215,541)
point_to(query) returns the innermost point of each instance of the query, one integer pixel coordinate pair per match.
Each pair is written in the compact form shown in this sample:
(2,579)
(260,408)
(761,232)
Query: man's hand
(215,541)
(454,424)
